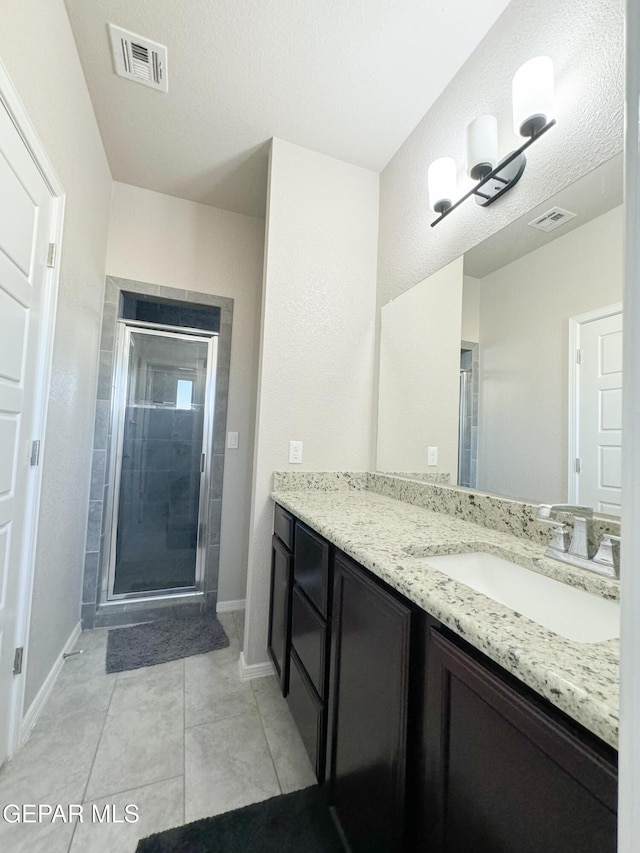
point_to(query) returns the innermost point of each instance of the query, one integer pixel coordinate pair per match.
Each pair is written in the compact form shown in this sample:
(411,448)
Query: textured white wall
(524,355)
(585,40)
(178,243)
(316,355)
(420,375)
(40,55)
(470,309)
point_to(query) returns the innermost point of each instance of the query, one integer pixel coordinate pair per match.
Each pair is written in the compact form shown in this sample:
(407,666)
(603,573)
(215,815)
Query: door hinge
(51,255)
(202,463)
(578,357)
(17,660)
(577,466)
(35,453)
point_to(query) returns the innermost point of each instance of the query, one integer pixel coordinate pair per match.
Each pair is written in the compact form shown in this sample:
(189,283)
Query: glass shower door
(160,470)
(464,429)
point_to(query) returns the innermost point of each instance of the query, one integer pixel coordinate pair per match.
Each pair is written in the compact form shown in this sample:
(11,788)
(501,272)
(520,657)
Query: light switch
(232,440)
(295,452)
(432,455)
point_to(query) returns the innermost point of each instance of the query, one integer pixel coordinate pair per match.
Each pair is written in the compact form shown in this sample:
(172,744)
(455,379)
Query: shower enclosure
(162,430)
(468,417)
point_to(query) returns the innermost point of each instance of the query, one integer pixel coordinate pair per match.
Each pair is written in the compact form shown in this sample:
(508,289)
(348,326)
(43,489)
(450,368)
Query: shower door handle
(202,461)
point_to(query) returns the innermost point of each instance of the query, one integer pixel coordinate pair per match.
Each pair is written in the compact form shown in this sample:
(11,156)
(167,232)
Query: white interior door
(599,414)
(27,214)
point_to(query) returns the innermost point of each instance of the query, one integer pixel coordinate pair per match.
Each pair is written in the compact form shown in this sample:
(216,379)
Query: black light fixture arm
(509,179)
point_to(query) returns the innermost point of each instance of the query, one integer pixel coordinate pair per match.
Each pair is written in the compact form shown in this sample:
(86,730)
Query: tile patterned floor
(182,740)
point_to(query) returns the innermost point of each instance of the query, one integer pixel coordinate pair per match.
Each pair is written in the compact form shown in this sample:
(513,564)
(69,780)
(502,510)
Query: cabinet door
(503,775)
(370,679)
(280,611)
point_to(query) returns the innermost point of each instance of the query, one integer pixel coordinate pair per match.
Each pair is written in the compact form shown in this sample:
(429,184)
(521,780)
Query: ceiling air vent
(552,219)
(139,58)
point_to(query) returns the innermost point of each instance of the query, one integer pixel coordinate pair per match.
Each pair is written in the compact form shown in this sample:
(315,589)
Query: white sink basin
(571,612)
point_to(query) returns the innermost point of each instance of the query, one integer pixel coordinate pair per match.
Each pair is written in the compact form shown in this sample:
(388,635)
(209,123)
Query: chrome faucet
(580,549)
(581,544)
(608,555)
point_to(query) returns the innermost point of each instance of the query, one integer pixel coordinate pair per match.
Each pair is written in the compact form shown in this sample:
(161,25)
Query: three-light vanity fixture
(532,116)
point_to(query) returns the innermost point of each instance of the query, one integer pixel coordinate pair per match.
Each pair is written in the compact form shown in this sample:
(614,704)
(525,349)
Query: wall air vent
(139,58)
(552,219)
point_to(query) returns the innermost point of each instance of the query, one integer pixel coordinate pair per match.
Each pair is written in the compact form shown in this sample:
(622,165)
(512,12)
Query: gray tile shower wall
(99,518)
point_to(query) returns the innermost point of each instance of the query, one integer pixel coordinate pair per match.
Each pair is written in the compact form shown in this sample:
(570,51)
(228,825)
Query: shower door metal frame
(465,380)
(124,330)
(468,376)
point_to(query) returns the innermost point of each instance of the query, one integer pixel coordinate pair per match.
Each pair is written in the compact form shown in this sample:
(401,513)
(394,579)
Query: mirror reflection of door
(597,407)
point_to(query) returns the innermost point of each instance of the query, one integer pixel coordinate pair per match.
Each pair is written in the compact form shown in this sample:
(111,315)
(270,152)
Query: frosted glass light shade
(482,146)
(533,96)
(441,178)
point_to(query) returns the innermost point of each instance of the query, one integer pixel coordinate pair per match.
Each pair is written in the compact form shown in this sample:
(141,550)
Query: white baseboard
(229,606)
(31,716)
(255,670)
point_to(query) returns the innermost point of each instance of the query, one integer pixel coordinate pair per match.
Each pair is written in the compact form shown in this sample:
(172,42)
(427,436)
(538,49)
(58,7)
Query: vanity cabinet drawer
(311,566)
(283,526)
(309,639)
(309,715)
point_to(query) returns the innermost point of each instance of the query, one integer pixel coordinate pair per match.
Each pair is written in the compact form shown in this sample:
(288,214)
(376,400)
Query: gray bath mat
(161,641)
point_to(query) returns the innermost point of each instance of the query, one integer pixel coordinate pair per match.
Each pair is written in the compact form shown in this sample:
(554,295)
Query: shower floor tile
(172,739)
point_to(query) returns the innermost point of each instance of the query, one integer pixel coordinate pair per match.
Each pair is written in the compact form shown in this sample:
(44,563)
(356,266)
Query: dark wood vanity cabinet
(310,631)
(425,744)
(504,772)
(279,632)
(369,709)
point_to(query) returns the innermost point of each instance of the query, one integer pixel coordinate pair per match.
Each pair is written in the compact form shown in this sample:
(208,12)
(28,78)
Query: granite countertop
(579,678)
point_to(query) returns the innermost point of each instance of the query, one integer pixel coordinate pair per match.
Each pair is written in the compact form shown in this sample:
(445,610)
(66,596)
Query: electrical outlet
(295,452)
(432,455)
(232,440)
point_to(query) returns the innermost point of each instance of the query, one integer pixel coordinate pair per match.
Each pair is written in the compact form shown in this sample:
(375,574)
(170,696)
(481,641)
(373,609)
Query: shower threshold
(127,611)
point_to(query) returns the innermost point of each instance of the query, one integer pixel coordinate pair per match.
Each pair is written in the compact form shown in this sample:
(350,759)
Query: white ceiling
(346,78)
(593,194)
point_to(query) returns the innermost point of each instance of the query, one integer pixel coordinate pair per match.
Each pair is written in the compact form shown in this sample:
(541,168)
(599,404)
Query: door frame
(124,329)
(575,324)
(628,812)
(11,101)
